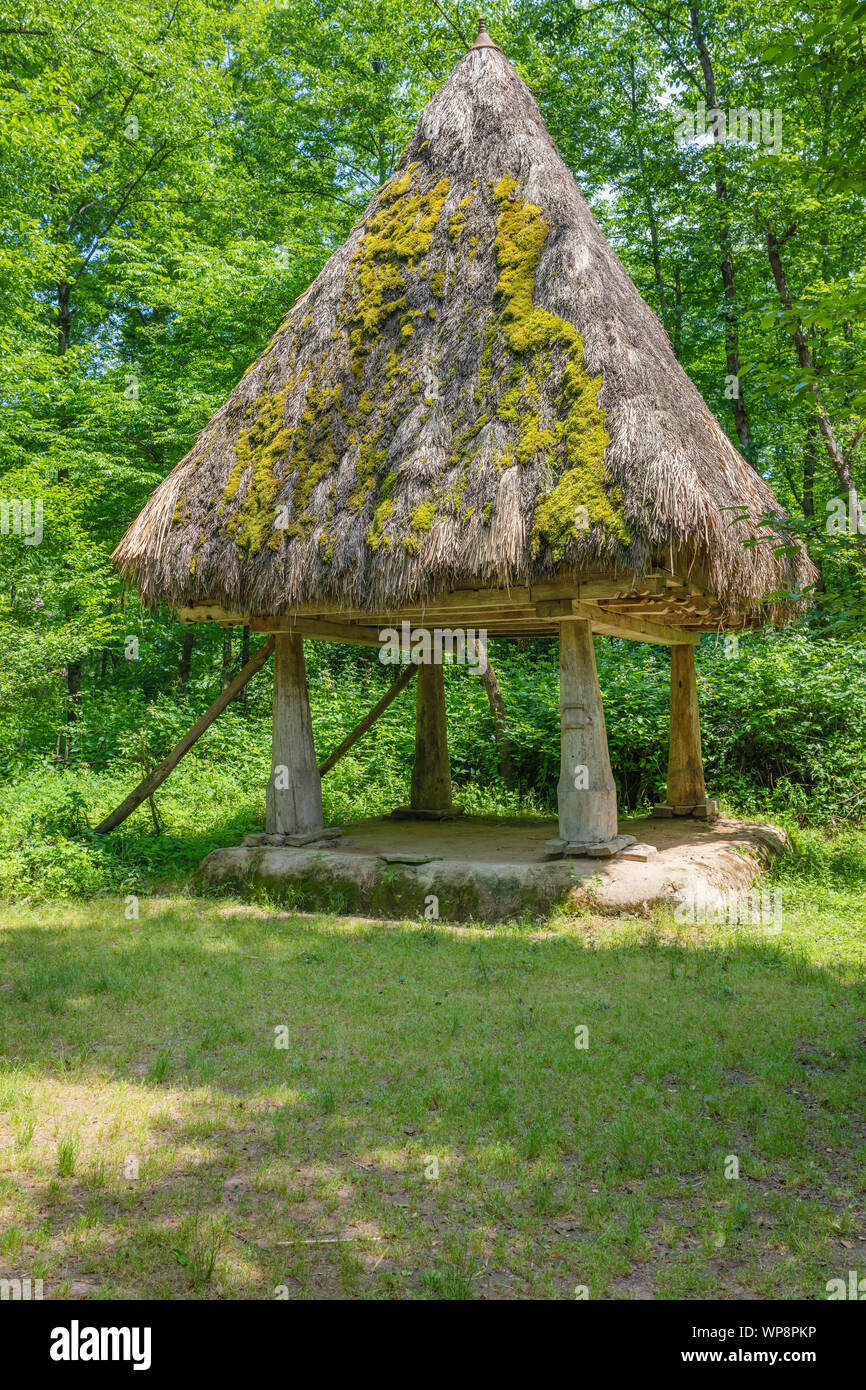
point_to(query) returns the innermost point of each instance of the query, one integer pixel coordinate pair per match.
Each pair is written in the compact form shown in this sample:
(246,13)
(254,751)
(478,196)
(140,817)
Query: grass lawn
(429,1128)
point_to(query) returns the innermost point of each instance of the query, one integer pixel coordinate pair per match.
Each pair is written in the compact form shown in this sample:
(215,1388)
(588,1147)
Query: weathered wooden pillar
(431,770)
(686,793)
(586,793)
(294,799)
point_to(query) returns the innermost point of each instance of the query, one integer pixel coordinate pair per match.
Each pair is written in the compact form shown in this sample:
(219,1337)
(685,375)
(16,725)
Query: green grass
(429,1129)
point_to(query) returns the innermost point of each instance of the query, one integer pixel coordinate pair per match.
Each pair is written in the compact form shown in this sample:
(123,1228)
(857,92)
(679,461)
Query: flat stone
(553,849)
(408,858)
(306,837)
(702,810)
(309,837)
(410,813)
(599,849)
(639,852)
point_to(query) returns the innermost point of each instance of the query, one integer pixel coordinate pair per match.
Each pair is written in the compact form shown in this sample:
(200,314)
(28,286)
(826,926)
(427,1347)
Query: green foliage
(172,181)
(783,722)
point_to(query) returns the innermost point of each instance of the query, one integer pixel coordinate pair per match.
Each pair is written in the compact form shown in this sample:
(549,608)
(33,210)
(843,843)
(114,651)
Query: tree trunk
(809,462)
(186,656)
(73,690)
(245,656)
(498,713)
(64,329)
(64,317)
(731,312)
(841,465)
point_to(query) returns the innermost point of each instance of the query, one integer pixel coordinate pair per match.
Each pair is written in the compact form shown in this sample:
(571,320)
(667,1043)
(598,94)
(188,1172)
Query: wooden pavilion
(471,420)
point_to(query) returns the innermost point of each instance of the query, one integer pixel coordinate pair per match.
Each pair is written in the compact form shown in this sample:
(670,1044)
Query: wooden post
(294,798)
(586,793)
(431,770)
(686,791)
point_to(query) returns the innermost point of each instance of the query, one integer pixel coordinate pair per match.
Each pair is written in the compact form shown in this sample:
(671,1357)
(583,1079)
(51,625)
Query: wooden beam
(592,586)
(403,679)
(210,613)
(464,601)
(353,633)
(614,625)
(672,614)
(154,779)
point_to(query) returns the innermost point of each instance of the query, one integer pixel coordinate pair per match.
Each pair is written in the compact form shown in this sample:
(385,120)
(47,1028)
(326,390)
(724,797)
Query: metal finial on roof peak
(483,39)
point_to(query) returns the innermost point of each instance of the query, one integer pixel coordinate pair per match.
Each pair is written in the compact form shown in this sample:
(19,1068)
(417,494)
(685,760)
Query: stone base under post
(708,809)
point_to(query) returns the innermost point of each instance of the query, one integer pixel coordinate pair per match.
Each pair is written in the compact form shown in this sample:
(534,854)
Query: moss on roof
(471,392)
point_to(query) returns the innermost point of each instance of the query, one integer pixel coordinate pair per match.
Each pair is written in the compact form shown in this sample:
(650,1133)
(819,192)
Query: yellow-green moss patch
(422,518)
(396,237)
(579,438)
(380,516)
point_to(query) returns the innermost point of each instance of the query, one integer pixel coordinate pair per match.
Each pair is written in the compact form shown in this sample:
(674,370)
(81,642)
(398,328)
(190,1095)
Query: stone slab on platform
(496,869)
(587,849)
(407,857)
(599,849)
(701,810)
(640,853)
(304,837)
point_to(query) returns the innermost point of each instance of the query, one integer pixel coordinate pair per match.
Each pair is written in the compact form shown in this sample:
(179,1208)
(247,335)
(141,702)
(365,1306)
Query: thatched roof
(472,392)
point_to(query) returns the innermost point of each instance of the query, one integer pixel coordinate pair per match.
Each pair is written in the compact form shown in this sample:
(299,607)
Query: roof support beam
(354,633)
(616,624)
(466,603)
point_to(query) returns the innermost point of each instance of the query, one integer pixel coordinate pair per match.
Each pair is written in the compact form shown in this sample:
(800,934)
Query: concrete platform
(498,869)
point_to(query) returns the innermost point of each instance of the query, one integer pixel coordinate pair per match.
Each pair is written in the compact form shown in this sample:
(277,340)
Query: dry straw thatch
(472,392)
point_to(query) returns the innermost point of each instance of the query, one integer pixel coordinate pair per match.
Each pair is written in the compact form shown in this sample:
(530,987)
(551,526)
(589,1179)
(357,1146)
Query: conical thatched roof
(472,392)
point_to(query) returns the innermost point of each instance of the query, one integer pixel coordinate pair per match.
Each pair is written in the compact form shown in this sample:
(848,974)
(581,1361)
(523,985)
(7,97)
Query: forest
(172,179)
(209,1095)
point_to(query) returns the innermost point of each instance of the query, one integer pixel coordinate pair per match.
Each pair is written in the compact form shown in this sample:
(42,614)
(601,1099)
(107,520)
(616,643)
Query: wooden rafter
(662,607)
